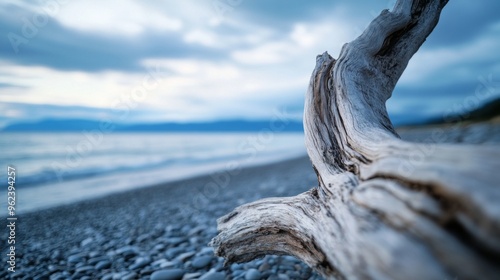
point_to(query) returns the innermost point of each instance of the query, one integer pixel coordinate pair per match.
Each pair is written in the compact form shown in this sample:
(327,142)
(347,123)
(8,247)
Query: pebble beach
(158,233)
(161,232)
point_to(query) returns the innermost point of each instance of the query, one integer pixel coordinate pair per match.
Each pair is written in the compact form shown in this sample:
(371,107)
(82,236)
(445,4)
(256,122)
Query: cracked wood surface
(384,208)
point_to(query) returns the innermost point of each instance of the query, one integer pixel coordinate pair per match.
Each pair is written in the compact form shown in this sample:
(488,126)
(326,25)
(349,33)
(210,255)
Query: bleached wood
(384,208)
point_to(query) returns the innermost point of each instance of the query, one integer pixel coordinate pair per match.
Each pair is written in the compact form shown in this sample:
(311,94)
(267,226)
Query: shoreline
(54,197)
(165,226)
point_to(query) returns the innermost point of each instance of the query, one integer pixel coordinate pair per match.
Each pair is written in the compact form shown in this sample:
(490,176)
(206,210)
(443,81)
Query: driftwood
(384,208)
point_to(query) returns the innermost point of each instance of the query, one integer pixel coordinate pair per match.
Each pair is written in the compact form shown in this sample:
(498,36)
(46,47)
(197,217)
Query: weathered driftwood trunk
(384,208)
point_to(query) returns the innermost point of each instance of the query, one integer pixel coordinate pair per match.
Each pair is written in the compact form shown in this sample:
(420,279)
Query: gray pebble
(57,276)
(142,238)
(172,252)
(185,256)
(206,250)
(86,241)
(252,274)
(174,241)
(55,268)
(283,276)
(84,269)
(128,251)
(93,254)
(75,258)
(201,262)
(293,274)
(238,273)
(169,264)
(56,255)
(191,276)
(159,247)
(213,276)
(108,276)
(140,263)
(130,276)
(96,260)
(158,262)
(196,230)
(119,275)
(236,266)
(264,267)
(168,274)
(103,265)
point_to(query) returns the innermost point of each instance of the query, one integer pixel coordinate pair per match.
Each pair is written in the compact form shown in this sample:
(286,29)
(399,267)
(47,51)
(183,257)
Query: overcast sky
(222,59)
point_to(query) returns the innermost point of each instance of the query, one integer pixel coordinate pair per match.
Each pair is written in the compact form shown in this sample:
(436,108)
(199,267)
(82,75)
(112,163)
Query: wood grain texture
(383,208)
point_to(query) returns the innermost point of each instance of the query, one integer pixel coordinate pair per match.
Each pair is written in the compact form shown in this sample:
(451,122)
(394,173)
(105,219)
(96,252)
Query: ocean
(59,168)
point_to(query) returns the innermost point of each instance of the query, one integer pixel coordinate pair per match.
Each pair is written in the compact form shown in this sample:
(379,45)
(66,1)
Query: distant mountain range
(485,112)
(77,125)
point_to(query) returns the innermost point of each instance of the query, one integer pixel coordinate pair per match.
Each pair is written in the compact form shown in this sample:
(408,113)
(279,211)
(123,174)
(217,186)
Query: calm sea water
(59,168)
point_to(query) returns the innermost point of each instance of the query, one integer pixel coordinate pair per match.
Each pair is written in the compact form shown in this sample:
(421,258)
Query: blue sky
(222,59)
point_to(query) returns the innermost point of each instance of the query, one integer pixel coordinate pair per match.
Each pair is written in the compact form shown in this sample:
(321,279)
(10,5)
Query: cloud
(67,47)
(12,86)
(116,17)
(243,62)
(463,21)
(447,65)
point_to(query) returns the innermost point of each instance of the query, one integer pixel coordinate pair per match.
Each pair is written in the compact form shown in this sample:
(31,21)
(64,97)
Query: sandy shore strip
(158,232)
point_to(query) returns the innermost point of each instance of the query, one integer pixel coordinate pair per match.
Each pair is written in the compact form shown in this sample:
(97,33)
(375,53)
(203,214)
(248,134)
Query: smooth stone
(128,252)
(130,276)
(196,230)
(159,247)
(293,274)
(168,274)
(201,262)
(184,256)
(55,276)
(146,271)
(55,268)
(291,259)
(172,252)
(264,267)
(103,265)
(86,241)
(287,267)
(108,276)
(43,275)
(140,263)
(169,264)
(56,255)
(119,275)
(96,260)
(142,238)
(236,266)
(213,276)
(238,273)
(283,276)
(252,274)
(75,258)
(158,262)
(86,268)
(174,241)
(191,276)
(206,250)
